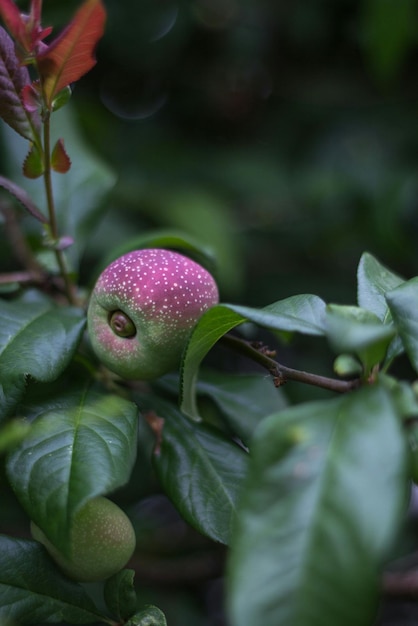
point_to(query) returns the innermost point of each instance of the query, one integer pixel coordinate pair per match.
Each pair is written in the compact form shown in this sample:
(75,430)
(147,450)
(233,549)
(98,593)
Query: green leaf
(244,399)
(403,303)
(324,498)
(355,330)
(33,165)
(200,470)
(149,616)
(33,590)
(37,341)
(61,99)
(388,34)
(213,324)
(120,595)
(373,281)
(72,454)
(304,314)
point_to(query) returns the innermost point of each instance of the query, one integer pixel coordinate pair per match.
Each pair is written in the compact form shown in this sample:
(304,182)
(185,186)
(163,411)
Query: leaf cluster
(306,503)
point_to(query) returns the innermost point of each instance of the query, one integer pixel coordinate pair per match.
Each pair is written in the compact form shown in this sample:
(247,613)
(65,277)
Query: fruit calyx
(121,324)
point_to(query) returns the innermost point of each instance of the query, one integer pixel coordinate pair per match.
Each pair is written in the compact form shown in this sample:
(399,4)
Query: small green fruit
(143,308)
(102,542)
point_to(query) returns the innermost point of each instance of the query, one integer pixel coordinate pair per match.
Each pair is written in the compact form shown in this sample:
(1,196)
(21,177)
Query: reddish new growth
(65,59)
(143,308)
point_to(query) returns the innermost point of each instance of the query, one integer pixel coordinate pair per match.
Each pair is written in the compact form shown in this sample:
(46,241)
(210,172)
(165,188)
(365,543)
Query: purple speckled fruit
(142,310)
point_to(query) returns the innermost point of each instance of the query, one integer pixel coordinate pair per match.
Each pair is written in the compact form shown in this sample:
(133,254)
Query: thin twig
(21,278)
(401,583)
(69,286)
(282,373)
(18,242)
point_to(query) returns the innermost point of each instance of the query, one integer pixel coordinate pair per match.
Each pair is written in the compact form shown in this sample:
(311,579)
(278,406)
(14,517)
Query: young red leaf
(12,18)
(60,161)
(13,79)
(31,98)
(33,165)
(71,55)
(25,29)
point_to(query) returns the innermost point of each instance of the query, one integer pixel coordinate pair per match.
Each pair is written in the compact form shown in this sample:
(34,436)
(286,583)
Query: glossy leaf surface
(304,314)
(355,330)
(373,281)
(325,494)
(74,452)
(200,469)
(120,595)
(36,340)
(244,399)
(403,303)
(149,616)
(33,590)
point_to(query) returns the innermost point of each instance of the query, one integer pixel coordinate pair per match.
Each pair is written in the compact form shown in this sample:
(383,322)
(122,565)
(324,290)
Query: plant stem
(69,287)
(281,373)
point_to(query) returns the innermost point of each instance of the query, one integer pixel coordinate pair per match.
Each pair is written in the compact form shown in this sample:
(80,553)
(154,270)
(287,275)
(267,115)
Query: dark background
(282,134)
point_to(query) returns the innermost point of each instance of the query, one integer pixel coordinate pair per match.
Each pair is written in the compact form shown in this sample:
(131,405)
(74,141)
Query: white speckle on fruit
(164,294)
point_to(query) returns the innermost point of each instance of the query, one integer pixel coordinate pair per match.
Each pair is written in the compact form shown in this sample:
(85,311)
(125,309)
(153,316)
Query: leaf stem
(69,287)
(281,373)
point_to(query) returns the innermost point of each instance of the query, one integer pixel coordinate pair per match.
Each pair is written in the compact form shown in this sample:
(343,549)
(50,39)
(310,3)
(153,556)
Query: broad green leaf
(72,454)
(120,595)
(36,340)
(403,303)
(200,470)
(304,314)
(355,330)
(213,324)
(149,616)
(403,394)
(323,501)
(244,399)
(373,281)
(33,590)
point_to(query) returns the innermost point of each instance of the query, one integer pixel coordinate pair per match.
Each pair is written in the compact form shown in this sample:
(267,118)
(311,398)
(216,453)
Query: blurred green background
(284,136)
(281,134)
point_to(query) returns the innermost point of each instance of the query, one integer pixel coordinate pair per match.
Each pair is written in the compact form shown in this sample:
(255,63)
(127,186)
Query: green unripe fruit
(143,308)
(102,542)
